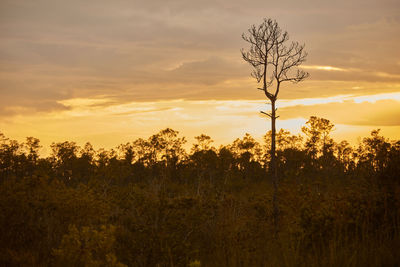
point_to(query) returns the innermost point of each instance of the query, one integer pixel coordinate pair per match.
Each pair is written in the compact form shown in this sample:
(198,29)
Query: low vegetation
(151,203)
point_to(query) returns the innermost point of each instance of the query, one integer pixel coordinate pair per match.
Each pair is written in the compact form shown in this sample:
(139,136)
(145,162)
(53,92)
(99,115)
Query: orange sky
(112,71)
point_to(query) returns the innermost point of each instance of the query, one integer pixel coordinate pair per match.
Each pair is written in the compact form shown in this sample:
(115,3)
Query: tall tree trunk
(274,169)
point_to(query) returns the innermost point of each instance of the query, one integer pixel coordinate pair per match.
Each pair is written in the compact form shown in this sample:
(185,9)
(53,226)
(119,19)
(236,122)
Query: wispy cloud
(326,68)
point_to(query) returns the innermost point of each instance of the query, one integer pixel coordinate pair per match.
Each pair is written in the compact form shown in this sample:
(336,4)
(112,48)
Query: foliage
(150,203)
(87,247)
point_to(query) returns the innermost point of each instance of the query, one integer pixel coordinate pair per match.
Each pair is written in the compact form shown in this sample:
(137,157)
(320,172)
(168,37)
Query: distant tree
(290,154)
(248,153)
(344,153)
(247,147)
(142,150)
(319,141)
(203,143)
(9,154)
(127,152)
(168,146)
(204,159)
(374,152)
(392,170)
(275,61)
(88,153)
(65,156)
(32,146)
(284,140)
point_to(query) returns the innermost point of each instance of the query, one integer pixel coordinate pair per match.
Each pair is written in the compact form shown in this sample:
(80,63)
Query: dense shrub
(150,203)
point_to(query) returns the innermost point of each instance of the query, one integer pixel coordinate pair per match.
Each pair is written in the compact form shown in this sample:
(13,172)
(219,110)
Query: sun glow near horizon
(107,123)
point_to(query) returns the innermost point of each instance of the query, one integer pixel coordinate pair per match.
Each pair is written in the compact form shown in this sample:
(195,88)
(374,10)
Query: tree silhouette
(203,143)
(274,61)
(133,206)
(318,140)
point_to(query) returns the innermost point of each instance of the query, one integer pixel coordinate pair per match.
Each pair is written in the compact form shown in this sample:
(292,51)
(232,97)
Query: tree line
(152,203)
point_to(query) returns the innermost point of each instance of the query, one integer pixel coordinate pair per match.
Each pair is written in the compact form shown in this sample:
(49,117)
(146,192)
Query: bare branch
(274,61)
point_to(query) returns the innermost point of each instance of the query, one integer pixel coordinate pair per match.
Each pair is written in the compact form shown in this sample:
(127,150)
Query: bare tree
(274,60)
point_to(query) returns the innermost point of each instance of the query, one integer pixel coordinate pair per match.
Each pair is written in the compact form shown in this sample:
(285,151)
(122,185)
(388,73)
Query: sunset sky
(109,72)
